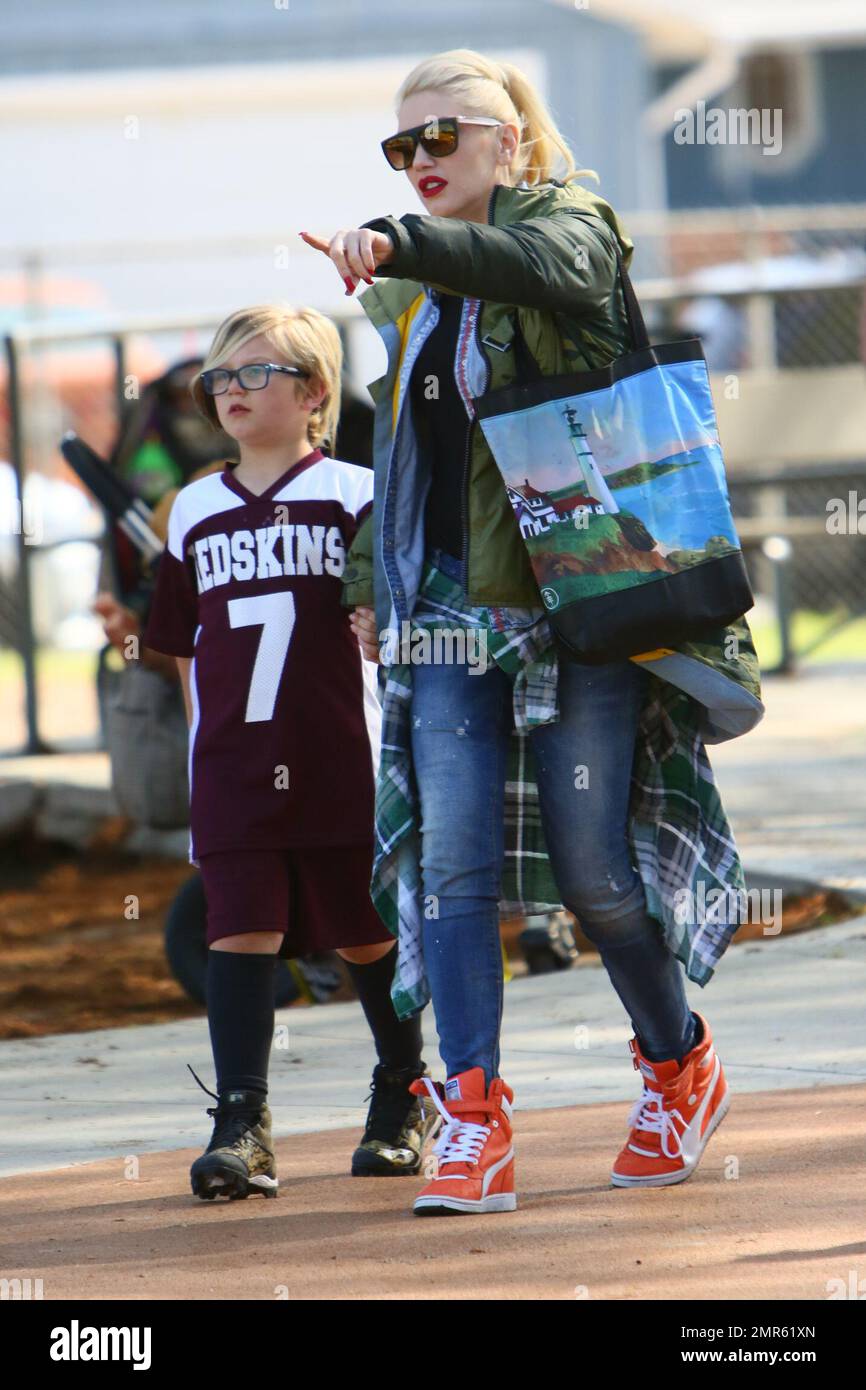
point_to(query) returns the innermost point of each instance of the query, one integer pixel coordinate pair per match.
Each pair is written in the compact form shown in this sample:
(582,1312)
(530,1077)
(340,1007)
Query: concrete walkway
(786,1014)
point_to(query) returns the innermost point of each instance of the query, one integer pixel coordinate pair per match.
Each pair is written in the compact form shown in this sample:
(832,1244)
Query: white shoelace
(648,1113)
(461,1141)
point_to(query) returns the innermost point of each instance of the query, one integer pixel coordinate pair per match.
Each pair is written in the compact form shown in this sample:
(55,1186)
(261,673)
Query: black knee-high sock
(397,1044)
(240,1013)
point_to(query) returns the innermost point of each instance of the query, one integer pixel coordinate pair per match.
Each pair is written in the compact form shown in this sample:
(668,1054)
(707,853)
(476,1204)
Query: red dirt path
(790,1222)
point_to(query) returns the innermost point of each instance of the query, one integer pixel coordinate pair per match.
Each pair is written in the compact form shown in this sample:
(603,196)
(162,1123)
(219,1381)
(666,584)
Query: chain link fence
(777,296)
(766,287)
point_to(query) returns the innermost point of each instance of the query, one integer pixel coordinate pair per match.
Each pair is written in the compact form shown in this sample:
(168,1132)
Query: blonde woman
(284,732)
(508,247)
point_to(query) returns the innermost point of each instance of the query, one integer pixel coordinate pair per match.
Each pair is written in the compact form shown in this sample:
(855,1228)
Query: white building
(534,514)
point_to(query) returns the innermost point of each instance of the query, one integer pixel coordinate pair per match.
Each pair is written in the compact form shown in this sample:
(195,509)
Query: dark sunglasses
(438,136)
(252,377)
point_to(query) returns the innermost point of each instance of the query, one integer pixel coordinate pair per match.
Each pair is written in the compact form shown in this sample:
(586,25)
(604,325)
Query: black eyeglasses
(438,136)
(254,376)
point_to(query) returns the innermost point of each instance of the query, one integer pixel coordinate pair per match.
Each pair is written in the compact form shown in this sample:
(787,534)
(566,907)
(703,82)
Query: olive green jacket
(546,256)
(547,253)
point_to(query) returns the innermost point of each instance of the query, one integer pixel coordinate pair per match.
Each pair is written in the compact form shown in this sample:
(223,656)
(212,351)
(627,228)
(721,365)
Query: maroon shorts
(320,898)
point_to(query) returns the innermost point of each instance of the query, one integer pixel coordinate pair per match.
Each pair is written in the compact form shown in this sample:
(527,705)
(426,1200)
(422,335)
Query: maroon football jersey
(284,740)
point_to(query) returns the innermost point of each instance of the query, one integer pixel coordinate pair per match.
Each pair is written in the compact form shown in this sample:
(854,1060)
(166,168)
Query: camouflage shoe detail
(398,1125)
(239,1158)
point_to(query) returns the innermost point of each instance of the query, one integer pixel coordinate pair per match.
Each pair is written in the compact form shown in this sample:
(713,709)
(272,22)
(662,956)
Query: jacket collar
(388,299)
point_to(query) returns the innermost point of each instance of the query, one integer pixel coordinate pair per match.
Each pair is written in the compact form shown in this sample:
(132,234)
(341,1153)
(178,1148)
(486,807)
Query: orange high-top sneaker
(476,1158)
(679,1109)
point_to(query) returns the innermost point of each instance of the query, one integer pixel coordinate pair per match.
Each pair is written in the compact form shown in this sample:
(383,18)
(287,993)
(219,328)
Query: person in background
(164,441)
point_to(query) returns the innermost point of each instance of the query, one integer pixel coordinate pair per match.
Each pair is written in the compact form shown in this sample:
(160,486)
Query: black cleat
(239,1158)
(398,1125)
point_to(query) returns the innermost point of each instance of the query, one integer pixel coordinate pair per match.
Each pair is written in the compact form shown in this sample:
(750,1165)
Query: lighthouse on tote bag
(595,484)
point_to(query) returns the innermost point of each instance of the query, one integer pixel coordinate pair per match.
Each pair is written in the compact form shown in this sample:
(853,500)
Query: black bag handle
(527,367)
(634,313)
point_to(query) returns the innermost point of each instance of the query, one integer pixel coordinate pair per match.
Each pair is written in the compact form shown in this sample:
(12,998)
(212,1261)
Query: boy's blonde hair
(305,338)
(483,87)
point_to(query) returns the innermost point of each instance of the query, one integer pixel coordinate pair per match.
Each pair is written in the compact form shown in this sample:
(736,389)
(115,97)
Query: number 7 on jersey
(276,614)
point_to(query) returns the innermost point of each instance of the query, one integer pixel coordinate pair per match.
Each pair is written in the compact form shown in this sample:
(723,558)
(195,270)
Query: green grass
(51,663)
(848,644)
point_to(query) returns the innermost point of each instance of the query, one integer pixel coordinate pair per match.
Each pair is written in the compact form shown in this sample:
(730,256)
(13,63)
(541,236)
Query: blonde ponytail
(483,87)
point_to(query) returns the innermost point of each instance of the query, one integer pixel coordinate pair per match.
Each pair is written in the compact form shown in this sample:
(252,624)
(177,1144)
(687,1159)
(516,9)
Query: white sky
(680,27)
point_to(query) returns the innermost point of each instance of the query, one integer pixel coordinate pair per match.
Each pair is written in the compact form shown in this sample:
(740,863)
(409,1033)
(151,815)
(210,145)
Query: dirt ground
(774,1211)
(73,958)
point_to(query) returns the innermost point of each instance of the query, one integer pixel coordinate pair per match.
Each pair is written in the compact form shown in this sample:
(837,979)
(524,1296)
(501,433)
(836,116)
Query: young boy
(284,733)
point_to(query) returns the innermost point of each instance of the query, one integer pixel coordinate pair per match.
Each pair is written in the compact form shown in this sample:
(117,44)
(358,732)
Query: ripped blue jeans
(461,724)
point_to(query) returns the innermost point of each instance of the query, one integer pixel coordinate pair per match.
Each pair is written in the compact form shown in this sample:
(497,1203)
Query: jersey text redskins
(267,553)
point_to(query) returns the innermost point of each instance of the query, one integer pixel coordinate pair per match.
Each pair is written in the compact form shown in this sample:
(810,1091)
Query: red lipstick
(430,185)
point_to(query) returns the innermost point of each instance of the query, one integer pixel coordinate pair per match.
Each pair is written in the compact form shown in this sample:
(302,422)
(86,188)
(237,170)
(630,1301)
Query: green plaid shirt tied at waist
(678,832)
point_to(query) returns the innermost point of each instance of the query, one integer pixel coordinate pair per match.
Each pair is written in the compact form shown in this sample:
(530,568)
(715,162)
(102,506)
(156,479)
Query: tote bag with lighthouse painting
(618,485)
